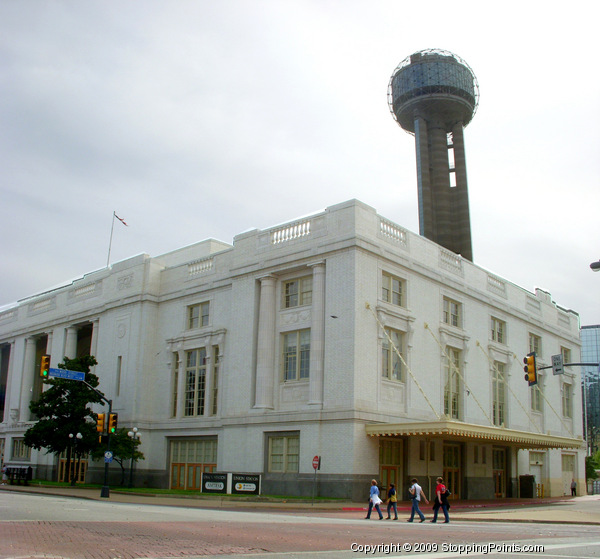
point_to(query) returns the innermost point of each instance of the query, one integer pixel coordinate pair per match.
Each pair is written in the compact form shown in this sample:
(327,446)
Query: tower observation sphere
(433,94)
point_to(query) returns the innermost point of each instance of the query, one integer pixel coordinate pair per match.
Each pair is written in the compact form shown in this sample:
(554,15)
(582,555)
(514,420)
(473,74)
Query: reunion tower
(433,94)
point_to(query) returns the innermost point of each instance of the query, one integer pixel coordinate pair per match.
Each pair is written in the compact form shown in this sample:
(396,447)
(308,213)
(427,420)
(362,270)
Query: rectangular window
(452,313)
(499,394)
(296,355)
(392,290)
(195,382)
(20,451)
(498,330)
(119,367)
(284,453)
(452,386)
(537,402)
(535,345)
(198,315)
(391,363)
(215,379)
(566,354)
(175,384)
(567,400)
(297,292)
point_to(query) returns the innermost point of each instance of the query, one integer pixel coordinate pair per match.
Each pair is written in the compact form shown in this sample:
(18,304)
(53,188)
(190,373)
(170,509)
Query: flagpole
(111,236)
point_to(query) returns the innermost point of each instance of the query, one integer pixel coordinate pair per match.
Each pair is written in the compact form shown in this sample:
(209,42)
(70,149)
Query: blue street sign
(65,373)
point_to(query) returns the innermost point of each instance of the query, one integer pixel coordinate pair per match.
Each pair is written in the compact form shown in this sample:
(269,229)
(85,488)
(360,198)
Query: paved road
(62,527)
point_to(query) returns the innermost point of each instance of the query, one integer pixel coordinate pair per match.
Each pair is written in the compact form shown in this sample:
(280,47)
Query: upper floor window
(452,384)
(452,312)
(195,382)
(198,315)
(537,401)
(535,344)
(393,290)
(391,363)
(498,330)
(566,354)
(297,292)
(296,355)
(499,394)
(567,400)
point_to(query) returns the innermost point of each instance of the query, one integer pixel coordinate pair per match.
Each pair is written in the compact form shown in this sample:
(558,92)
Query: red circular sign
(316,461)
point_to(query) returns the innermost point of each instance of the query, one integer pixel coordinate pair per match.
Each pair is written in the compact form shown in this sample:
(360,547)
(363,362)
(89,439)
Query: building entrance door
(390,461)
(452,469)
(499,472)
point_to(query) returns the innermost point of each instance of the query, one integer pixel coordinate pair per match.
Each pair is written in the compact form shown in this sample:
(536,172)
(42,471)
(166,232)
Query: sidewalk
(573,510)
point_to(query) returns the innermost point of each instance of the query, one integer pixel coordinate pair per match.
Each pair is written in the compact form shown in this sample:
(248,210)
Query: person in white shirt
(416,493)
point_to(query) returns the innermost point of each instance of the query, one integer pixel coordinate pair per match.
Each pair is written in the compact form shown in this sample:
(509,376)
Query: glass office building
(590,353)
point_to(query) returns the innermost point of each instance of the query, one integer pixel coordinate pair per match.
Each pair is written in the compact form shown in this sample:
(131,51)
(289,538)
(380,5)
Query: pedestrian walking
(441,500)
(392,501)
(573,488)
(416,493)
(374,500)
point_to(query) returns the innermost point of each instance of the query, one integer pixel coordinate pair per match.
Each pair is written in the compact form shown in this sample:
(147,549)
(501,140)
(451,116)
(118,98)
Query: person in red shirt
(441,500)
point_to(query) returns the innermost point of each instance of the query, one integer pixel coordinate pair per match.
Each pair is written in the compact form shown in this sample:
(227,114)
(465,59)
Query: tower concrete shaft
(442,186)
(433,94)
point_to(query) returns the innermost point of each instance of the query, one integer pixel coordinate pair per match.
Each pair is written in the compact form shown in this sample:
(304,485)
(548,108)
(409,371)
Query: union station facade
(340,335)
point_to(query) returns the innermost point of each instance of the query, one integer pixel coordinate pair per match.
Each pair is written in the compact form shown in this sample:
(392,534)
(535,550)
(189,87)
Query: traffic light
(530,369)
(112,423)
(45,366)
(100,422)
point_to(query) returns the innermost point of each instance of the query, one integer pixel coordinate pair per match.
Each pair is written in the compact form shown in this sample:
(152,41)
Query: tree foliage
(123,447)
(64,409)
(592,463)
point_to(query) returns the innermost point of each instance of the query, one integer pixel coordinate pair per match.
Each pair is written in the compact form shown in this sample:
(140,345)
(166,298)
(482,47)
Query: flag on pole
(120,219)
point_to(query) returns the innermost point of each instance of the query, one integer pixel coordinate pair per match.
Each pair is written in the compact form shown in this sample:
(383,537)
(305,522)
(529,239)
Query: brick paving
(123,540)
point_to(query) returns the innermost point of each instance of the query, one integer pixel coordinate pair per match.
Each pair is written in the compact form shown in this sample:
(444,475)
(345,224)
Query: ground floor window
(189,458)
(20,451)
(284,453)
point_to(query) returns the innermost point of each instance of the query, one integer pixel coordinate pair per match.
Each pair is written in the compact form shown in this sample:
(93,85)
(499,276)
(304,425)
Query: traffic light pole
(105,491)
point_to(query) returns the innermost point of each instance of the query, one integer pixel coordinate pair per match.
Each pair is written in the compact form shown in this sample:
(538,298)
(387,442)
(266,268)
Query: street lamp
(595,266)
(133,435)
(74,443)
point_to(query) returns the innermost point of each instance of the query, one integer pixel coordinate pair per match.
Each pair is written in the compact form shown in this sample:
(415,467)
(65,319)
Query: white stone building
(340,335)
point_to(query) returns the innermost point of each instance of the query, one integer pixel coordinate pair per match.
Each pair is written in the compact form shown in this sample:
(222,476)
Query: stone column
(94,343)
(8,404)
(71,343)
(27,379)
(317,336)
(265,351)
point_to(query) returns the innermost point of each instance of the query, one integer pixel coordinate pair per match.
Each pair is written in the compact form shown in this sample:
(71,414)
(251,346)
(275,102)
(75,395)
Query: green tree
(123,448)
(592,463)
(64,409)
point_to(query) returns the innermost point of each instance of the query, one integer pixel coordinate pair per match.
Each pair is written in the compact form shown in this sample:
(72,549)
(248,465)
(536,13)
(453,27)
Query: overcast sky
(200,119)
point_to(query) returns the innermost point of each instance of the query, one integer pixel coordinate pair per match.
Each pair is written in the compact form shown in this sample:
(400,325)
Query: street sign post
(65,373)
(557,364)
(316,464)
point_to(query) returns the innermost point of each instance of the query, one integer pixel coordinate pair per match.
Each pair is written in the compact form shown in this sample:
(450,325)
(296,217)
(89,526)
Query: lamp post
(74,441)
(133,435)
(595,266)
